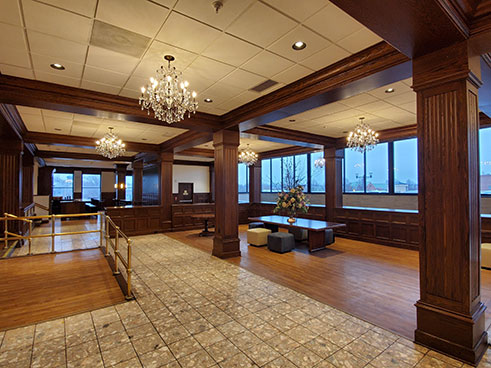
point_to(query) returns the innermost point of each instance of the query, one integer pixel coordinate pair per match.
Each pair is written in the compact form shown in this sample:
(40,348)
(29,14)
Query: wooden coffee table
(315,228)
(205,217)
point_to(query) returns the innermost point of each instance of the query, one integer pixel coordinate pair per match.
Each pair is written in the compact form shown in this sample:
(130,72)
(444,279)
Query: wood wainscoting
(181,215)
(137,220)
(486,228)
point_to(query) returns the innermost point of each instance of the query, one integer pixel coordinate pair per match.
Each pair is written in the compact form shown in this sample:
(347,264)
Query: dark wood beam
(75,141)
(288,151)
(371,68)
(80,156)
(44,95)
(201,152)
(291,135)
(185,141)
(193,163)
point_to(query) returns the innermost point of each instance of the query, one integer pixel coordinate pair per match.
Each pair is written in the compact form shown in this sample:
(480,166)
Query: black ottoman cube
(329,236)
(255,225)
(281,242)
(272,227)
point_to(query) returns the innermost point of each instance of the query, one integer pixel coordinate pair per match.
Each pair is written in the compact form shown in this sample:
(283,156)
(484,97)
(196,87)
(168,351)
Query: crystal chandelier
(363,138)
(168,96)
(248,157)
(320,162)
(110,146)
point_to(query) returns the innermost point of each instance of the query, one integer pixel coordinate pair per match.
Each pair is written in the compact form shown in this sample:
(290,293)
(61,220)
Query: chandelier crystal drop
(320,162)
(363,138)
(248,157)
(168,95)
(110,145)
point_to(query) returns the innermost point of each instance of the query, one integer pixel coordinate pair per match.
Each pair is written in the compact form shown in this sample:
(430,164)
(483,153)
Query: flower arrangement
(292,202)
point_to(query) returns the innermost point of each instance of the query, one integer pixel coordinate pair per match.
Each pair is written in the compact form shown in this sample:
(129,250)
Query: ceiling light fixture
(299,45)
(110,145)
(208,100)
(363,138)
(57,66)
(389,90)
(320,162)
(168,96)
(292,120)
(248,157)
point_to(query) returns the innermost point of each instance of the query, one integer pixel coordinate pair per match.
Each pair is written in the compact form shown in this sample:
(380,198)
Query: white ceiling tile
(204,11)
(100,87)
(267,64)
(411,106)
(333,23)
(408,82)
(239,100)
(325,57)
(56,22)
(110,60)
(220,92)
(154,58)
(207,108)
(292,74)
(398,87)
(57,79)
(58,126)
(16,58)
(274,87)
(341,115)
(130,93)
(373,107)
(84,129)
(42,64)
(138,16)
(261,25)
(313,41)
(54,47)
(207,69)
(13,46)
(298,11)
(401,98)
(359,40)
(57,114)
(395,114)
(135,83)
(242,79)
(187,33)
(358,100)
(167,3)
(10,12)
(231,50)
(33,122)
(85,7)
(104,76)
(28,110)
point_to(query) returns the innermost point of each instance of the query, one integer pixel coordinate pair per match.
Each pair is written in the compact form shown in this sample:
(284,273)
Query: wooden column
(121,181)
(27,179)
(212,183)
(226,242)
(255,183)
(137,182)
(10,182)
(334,176)
(166,200)
(450,314)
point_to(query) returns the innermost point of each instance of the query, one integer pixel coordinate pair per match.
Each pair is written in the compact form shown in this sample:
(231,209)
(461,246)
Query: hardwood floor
(377,283)
(49,286)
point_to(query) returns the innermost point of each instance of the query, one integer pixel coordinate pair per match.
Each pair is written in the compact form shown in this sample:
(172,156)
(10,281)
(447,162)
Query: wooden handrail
(43,207)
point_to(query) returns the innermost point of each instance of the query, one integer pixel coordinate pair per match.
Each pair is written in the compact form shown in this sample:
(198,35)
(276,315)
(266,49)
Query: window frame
(82,185)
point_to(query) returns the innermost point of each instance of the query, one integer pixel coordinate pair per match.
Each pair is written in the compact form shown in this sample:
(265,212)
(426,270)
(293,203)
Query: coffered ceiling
(114,46)
(381,111)
(58,148)
(254,144)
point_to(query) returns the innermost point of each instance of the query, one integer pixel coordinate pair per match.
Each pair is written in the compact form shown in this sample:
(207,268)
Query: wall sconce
(121,186)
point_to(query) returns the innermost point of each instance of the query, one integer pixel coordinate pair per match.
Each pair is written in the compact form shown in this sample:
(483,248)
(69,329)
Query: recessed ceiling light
(299,45)
(208,100)
(144,139)
(389,90)
(58,129)
(57,66)
(292,120)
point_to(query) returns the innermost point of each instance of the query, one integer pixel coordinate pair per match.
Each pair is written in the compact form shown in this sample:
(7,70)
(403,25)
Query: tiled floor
(62,243)
(194,310)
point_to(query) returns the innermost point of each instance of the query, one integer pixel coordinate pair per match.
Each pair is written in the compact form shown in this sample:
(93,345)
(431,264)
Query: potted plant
(292,202)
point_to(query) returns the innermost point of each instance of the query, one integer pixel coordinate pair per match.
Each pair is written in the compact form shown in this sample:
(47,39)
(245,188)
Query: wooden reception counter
(137,220)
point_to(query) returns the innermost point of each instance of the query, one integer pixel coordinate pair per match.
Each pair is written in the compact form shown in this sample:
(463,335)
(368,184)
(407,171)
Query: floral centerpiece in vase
(292,202)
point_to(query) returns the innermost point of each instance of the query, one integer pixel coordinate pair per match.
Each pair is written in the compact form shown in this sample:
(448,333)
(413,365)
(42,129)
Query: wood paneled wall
(136,220)
(181,215)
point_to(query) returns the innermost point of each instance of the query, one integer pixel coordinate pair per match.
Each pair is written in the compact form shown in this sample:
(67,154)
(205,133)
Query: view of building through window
(62,185)
(406,166)
(91,187)
(129,188)
(485,158)
(317,174)
(243,178)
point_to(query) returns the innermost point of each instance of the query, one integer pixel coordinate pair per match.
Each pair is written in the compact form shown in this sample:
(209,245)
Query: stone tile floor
(194,310)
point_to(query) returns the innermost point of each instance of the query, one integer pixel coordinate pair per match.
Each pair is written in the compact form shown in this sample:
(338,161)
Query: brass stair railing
(105,228)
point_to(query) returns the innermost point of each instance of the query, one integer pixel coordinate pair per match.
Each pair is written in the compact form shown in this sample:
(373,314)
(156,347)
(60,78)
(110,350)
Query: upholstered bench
(255,225)
(258,236)
(329,236)
(486,255)
(281,242)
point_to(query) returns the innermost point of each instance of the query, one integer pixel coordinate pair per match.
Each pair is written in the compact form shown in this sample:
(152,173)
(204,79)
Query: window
(62,185)
(243,178)
(485,158)
(288,173)
(129,188)
(317,175)
(377,169)
(406,166)
(91,187)
(354,171)
(266,176)
(301,170)
(276,175)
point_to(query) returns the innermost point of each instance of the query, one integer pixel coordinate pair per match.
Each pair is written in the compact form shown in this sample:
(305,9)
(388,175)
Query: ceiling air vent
(264,86)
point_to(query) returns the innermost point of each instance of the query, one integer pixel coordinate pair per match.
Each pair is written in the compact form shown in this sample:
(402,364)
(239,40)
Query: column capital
(166,156)
(226,137)
(137,164)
